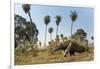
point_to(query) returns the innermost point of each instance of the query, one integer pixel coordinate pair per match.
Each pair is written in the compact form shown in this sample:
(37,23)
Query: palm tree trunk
(51,36)
(45,36)
(57,31)
(30,16)
(71,28)
(31,38)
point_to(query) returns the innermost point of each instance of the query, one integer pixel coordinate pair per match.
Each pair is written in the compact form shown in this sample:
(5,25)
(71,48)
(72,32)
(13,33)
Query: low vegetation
(42,56)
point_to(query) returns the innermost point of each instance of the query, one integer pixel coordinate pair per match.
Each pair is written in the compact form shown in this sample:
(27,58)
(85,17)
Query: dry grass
(43,57)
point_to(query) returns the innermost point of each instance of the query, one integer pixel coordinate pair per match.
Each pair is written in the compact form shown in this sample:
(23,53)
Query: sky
(85,19)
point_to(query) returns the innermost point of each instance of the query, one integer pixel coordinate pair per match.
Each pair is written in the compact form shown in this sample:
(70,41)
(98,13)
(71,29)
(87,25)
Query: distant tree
(65,39)
(57,38)
(23,29)
(73,17)
(26,8)
(37,32)
(46,21)
(19,21)
(80,34)
(50,30)
(92,38)
(19,30)
(58,20)
(40,44)
(31,31)
(62,37)
(36,40)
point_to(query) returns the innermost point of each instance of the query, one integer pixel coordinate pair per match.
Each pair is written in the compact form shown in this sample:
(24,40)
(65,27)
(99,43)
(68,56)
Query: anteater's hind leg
(72,53)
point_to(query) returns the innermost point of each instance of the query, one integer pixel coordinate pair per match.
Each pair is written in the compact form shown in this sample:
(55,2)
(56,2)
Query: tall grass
(42,56)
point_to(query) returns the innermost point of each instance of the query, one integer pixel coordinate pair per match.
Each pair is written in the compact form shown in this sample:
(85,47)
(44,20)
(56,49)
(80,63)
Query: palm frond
(47,19)
(26,7)
(58,19)
(73,15)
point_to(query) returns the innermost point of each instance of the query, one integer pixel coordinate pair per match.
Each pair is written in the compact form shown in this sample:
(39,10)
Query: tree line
(27,30)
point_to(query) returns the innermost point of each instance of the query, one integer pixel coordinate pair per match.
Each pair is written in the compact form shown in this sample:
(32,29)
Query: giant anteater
(71,47)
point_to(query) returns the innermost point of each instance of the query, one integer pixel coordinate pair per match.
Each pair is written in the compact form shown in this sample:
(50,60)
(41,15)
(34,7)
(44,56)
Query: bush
(25,49)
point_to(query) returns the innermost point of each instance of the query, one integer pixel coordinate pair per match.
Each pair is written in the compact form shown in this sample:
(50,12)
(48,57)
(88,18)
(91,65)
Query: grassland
(44,56)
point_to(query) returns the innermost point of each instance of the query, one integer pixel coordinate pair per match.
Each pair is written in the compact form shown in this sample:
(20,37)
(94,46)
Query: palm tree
(62,37)
(40,44)
(57,39)
(46,21)
(73,17)
(26,8)
(92,38)
(58,20)
(50,30)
